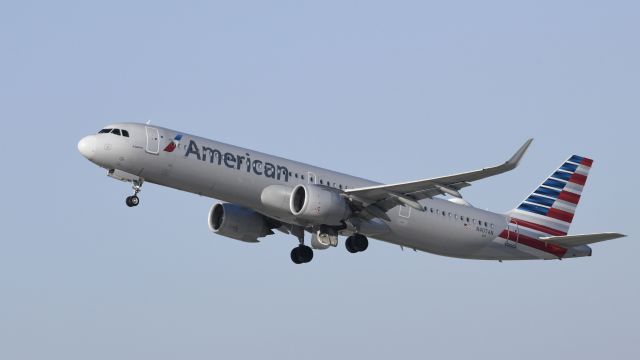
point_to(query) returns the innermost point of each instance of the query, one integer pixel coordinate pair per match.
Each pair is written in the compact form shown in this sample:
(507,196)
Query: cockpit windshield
(118,132)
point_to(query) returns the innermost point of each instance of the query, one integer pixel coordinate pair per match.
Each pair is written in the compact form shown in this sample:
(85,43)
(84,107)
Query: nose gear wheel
(134,200)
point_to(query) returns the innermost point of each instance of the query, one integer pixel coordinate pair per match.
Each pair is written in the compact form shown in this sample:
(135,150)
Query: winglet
(515,159)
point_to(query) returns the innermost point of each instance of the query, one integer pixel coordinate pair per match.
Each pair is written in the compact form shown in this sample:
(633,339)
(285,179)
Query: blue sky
(390,91)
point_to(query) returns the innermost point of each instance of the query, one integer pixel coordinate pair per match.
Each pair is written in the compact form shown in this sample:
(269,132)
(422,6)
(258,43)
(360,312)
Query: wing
(576,240)
(376,200)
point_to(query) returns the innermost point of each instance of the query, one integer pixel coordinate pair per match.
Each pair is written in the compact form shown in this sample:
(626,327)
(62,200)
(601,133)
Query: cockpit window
(118,132)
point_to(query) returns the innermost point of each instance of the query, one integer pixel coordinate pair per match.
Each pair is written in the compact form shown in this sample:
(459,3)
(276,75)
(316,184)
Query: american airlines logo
(173,144)
(236,161)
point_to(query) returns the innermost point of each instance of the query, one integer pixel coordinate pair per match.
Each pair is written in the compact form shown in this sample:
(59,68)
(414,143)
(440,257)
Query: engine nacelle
(276,199)
(318,205)
(237,222)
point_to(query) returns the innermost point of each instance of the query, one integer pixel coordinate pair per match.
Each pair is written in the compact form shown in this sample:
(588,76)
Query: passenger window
(474,221)
(125,133)
(438,211)
(116,132)
(432,210)
(321,182)
(492,226)
(467,219)
(485,224)
(444,213)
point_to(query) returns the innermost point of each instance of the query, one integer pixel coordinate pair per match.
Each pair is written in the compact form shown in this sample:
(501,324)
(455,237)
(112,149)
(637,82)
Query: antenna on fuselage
(148,122)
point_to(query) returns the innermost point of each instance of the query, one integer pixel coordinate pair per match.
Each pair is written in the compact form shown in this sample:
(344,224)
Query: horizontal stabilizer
(577,240)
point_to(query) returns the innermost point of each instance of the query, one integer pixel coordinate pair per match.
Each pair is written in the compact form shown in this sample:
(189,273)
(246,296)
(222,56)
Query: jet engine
(318,205)
(237,222)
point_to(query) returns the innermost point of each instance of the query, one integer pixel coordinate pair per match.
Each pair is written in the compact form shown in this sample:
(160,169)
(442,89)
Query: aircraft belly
(427,236)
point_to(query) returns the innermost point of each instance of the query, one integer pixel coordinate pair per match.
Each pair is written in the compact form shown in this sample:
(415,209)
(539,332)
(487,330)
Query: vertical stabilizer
(549,210)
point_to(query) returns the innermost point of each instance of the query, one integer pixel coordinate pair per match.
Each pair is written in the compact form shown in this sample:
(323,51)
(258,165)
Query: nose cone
(87,146)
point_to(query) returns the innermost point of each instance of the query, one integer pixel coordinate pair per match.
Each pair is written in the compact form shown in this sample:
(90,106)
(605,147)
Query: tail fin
(550,209)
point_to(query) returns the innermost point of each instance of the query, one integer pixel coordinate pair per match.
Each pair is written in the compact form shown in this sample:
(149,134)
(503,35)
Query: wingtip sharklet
(515,159)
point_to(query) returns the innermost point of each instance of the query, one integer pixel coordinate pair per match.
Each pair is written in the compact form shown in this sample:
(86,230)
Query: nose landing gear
(134,200)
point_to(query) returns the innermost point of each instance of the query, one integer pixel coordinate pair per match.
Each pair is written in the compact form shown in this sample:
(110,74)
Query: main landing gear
(356,243)
(134,200)
(302,253)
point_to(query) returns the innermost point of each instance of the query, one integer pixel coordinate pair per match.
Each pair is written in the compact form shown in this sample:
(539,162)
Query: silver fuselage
(239,175)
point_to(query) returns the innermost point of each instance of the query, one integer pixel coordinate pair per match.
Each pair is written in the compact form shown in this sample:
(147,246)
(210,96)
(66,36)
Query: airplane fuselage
(238,175)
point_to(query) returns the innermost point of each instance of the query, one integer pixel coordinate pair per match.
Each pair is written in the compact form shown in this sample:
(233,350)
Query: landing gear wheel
(301,254)
(356,243)
(361,242)
(295,256)
(349,245)
(306,252)
(132,201)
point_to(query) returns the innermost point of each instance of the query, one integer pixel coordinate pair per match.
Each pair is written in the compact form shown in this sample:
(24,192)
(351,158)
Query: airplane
(261,193)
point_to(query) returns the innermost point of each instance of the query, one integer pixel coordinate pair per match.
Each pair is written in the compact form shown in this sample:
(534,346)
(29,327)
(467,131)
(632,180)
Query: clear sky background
(390,91)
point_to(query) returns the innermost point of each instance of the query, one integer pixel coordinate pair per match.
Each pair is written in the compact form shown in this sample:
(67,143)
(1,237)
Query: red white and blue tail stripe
(550,209)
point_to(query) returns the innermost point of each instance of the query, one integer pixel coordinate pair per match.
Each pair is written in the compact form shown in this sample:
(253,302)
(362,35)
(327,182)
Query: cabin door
(153,140)
(513,235)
